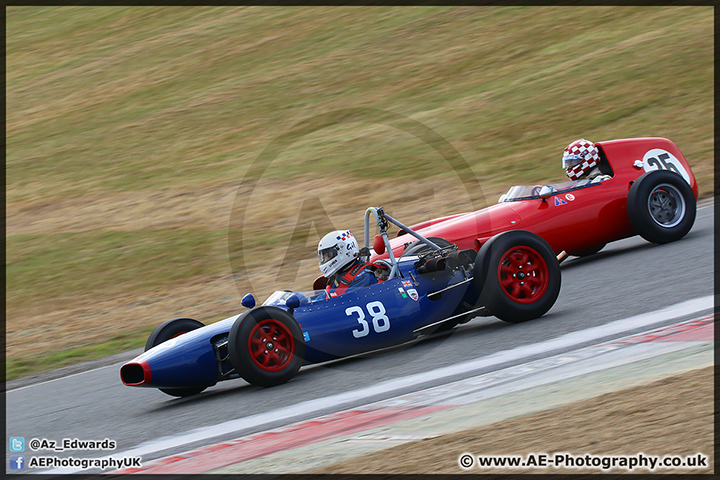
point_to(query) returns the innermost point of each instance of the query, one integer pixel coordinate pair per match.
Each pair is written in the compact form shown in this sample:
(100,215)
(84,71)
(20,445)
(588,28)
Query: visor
(327,254)
(571,160)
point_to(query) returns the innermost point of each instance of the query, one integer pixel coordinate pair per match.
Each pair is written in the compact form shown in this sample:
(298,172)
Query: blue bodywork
(370,318)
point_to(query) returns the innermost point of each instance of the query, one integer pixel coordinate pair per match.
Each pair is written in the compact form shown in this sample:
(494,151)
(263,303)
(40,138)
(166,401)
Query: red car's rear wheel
(661,206)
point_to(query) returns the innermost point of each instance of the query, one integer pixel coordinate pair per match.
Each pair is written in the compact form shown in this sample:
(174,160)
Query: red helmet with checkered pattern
(579,158)
(335,250)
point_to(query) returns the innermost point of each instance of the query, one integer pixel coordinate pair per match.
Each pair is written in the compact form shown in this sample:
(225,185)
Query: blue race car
(432,286)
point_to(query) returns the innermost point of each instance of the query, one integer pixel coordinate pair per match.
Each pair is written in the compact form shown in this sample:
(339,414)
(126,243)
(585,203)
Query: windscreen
(279,297)
(525,192)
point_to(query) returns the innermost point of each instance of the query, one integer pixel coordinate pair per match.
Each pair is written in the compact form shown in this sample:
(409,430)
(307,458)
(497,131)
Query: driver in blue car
(340,262)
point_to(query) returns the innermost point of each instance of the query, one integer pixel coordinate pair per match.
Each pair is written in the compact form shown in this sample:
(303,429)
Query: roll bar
(382,220)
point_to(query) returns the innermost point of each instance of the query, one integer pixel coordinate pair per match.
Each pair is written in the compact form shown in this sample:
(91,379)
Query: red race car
(640,186)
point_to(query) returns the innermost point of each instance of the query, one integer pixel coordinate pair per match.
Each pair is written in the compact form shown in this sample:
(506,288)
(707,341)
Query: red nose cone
(135,373)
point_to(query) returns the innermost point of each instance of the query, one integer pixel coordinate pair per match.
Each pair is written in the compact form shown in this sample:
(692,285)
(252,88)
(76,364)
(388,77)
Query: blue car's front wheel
(266,346)
(171,329)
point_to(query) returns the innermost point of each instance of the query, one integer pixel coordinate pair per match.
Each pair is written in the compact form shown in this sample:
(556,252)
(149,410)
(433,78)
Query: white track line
(682,309)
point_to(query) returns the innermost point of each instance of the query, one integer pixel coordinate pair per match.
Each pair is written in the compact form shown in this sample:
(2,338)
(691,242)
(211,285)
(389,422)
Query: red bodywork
(588,217)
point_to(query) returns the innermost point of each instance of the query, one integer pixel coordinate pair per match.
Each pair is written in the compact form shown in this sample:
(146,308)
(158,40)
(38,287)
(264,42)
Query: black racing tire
(165,331)
(182,392)
(586,252)
(661,206)
(170,329)
(418,248)
(252,331)
(518,276)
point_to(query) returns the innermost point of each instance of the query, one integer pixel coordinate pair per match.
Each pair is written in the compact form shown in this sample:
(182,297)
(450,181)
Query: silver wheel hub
(666,205)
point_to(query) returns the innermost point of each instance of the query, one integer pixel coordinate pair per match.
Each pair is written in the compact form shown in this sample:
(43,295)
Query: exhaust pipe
(562,256)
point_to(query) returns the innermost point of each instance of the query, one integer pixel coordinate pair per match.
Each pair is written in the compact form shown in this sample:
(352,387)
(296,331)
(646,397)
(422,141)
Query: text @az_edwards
(39,444)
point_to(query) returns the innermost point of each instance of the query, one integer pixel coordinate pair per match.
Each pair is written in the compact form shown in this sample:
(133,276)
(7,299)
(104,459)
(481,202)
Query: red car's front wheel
(517,275)
(523,274)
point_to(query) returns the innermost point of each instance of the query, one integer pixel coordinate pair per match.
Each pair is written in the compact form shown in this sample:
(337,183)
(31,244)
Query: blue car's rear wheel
(266,346)
(171,329)
(518,276)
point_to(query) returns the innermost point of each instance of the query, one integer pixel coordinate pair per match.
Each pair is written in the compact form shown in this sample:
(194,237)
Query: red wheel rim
(178,334)
(281,347)
(523,275)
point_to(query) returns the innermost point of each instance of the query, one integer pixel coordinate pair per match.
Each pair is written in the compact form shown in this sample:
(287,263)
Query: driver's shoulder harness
(340,286)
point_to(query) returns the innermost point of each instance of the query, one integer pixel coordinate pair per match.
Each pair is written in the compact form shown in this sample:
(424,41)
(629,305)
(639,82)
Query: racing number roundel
(659,159)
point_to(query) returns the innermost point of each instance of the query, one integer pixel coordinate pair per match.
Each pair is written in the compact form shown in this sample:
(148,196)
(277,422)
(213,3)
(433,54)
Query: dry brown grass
(142,122)
(673,416)
(49,322)
(73,323)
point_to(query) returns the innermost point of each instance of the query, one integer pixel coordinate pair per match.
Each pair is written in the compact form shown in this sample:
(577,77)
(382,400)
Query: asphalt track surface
(626,278)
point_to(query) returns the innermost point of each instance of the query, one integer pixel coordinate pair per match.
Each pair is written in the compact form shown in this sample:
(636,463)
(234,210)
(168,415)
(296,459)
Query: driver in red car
(340,263)
(580,160)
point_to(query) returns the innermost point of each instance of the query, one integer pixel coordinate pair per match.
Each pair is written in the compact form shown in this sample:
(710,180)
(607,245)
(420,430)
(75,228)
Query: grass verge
(130,129)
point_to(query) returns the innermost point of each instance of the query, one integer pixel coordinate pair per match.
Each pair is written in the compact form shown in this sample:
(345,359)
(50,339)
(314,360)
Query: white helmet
(335,250)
